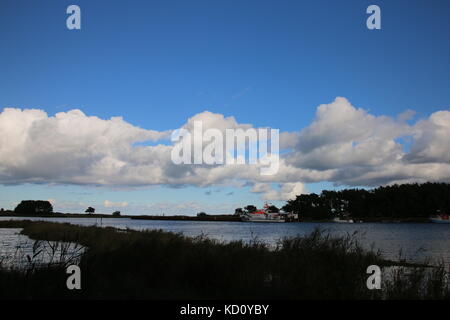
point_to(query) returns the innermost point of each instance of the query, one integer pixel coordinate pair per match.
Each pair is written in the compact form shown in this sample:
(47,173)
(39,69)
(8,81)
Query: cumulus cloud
(431,139)
(285,191)
(69,147)
(356,148)
(342,136)
(110,204)
(344,145)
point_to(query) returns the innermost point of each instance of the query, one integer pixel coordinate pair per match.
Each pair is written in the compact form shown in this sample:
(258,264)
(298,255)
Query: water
(417,241)
(18,251)
(11,244)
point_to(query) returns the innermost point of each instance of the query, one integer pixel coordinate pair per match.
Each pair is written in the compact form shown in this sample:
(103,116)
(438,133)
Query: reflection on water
(20,252)
(416,241)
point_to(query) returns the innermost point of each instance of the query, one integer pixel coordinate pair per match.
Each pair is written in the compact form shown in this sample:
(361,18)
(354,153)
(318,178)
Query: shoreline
(220,218)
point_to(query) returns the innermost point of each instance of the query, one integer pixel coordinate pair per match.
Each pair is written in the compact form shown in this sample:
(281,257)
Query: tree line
(44,207)
(394,201)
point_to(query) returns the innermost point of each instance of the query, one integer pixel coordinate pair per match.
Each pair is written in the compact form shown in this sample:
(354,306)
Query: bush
(34,207)
(161,265)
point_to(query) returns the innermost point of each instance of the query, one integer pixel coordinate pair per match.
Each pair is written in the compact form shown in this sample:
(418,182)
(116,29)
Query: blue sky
(268,63)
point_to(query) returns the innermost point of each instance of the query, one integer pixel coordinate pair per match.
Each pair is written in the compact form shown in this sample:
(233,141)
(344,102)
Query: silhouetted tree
(116,214)
(287,207)
(34,207)
(250,208)
(90,210)
(395,201)
(273,209)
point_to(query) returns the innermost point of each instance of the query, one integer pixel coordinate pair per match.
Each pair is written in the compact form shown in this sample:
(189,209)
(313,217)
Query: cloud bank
(344,145)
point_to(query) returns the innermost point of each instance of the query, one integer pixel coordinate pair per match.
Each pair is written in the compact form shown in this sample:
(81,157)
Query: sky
(86,114)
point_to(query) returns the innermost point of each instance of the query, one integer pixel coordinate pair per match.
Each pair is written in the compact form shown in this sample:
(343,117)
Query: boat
(340,220)
(262,215)
(440,218)
(340,217)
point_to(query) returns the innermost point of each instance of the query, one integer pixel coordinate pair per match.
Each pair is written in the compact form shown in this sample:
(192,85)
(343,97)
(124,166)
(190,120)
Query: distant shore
(223,217)
(137,217)
(58,215)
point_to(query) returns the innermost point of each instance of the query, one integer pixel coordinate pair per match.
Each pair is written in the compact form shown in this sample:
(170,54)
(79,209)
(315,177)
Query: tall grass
(161,265)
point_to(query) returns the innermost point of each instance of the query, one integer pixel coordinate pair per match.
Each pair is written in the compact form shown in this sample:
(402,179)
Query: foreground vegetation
(161,265)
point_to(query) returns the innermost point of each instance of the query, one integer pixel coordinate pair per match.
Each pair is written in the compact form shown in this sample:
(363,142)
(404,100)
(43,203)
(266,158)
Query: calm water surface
(16,248)
(416,241)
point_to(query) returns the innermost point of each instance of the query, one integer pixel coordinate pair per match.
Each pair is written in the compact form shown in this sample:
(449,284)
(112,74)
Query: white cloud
(286,191)
(344,145)
(67,148)
(432,139)
(343,136)
(110,204)
(260,187)
(359,149)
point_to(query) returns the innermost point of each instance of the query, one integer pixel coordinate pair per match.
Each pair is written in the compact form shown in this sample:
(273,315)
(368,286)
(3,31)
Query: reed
(155,264)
